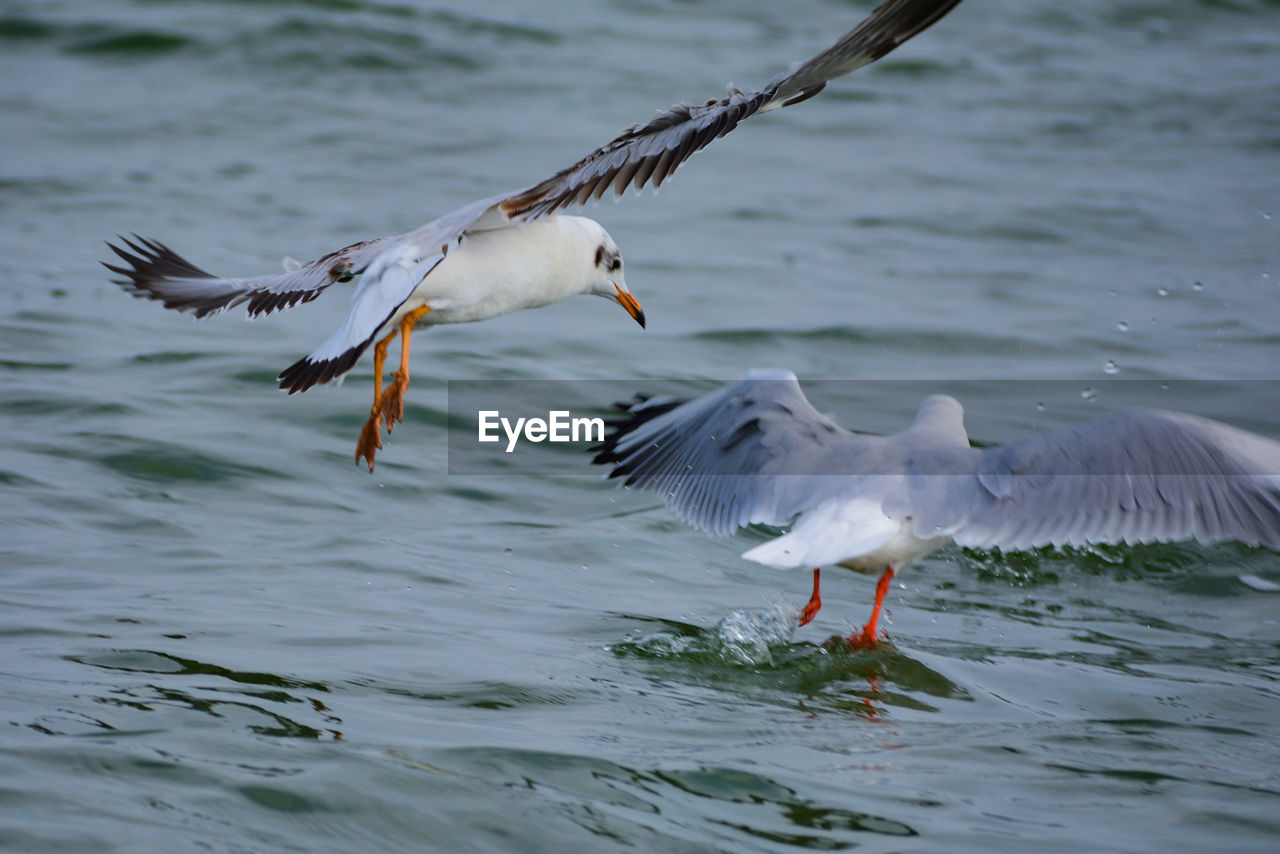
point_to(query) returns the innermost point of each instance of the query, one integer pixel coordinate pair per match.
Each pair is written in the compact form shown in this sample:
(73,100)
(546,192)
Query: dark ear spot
(599,254)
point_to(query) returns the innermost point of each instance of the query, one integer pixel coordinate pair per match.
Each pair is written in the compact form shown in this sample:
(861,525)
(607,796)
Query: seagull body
(757,452)
(495,272)
(504,253)
(483,274)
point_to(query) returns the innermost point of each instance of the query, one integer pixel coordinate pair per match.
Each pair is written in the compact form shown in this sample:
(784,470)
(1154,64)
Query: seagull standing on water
(500,254)
(757,452)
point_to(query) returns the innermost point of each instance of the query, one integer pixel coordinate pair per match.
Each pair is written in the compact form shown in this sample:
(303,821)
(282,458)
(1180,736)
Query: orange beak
(629,302)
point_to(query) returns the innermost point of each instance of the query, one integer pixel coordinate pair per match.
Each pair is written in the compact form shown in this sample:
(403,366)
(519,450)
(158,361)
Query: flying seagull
(507,252)
(757,452)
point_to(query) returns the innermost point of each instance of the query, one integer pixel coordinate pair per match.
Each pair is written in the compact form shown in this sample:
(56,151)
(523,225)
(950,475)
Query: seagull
(507,252)
(757,452)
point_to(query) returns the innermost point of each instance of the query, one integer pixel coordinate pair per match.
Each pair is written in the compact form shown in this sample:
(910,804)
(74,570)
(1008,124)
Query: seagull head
(608,280)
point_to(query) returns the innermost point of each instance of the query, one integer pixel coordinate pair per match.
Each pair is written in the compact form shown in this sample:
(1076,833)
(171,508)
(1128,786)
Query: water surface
(221,634)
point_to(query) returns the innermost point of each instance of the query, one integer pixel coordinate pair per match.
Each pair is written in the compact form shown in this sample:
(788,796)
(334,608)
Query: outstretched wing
(1140,476)
(655,149)
(156,272)
(752,452)
(390,270)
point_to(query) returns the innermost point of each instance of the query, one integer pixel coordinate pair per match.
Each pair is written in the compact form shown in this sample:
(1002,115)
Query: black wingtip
(638,411)
(304,373)
(154,271)
(151,261)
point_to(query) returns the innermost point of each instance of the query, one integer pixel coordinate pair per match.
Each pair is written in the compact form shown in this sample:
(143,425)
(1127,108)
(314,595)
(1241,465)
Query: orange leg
(815,602)
(371,435)
(379,360)
(392,405)
(388,405)
(867,637)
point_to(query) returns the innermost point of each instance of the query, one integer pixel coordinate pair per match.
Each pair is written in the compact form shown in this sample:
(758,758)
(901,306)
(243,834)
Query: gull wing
(1140,476)
(752,452)
(390,269)
(156,272)
(655,149)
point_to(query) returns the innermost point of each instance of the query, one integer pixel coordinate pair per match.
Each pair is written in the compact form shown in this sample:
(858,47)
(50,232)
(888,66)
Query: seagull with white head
(508,252)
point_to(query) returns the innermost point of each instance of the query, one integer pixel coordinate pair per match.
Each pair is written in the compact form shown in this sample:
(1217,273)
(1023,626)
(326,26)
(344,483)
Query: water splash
(748,637)
(753,638)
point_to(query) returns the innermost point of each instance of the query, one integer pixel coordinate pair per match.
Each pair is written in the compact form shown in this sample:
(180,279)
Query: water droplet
(1162,292)
(1266,215)
(1123,326)
(1197,286)
(1110,368)
(1089,394)
(1040,407)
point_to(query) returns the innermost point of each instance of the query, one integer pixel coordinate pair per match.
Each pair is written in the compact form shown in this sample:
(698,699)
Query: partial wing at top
(891,24)
(1140,476)
(655,149)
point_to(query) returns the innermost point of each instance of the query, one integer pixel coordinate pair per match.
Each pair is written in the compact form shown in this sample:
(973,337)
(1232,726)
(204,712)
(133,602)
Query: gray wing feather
(1139,476)
(752,452)
(390,269)
(655,149)
(890,25)
(156,272)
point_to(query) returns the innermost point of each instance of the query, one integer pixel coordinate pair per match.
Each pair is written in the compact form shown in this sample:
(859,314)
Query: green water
(221,634)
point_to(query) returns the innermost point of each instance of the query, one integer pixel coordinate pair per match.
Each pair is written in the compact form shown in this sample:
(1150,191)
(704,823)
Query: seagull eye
(615,264)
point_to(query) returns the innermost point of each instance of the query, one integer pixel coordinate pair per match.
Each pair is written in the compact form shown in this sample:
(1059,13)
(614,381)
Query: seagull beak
(627,301)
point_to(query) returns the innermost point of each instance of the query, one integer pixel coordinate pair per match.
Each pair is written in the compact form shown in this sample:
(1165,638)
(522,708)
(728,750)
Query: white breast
(504,270)
(851,532)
